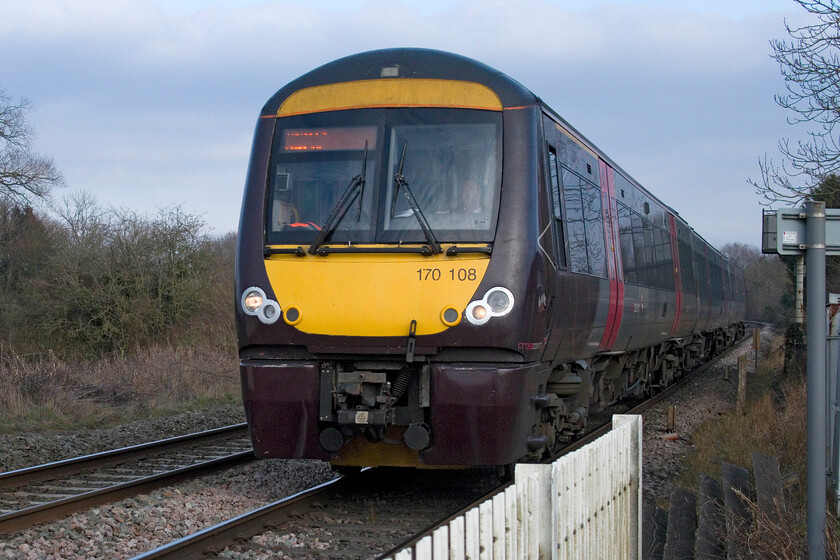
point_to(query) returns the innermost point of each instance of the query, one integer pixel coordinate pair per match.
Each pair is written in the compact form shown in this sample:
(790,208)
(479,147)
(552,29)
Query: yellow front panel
(374,295)
(401,92)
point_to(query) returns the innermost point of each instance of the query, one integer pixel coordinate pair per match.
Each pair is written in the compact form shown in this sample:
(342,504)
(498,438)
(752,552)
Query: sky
(151,104)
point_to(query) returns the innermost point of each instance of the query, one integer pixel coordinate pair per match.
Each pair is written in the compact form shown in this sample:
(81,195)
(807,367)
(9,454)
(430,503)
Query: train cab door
(614,269)
(553,245)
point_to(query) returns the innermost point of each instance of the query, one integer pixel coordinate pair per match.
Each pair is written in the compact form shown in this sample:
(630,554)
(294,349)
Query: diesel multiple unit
(435,269)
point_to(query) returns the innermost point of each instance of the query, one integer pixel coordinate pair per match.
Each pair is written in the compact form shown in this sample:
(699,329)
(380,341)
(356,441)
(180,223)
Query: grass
(774,424)
(51,394)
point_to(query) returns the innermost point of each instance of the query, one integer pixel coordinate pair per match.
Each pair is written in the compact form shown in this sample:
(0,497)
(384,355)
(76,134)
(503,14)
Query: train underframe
(423,414)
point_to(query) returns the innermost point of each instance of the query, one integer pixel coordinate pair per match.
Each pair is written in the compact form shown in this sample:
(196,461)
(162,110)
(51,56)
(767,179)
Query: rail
(53,490)
(218,536)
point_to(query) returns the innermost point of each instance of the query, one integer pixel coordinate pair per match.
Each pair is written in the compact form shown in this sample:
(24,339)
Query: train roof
(388,64)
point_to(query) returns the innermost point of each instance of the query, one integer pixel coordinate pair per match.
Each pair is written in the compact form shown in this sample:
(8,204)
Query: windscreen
(453,172)
(449,163)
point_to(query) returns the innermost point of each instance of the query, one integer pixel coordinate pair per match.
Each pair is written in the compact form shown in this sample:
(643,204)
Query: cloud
(143,103)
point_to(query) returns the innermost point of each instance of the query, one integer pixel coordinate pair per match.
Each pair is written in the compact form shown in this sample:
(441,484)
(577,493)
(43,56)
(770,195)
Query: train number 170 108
(435,274)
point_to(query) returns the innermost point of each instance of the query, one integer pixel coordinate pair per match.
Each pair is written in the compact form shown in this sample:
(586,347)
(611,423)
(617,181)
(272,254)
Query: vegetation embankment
(108,315)
(774,423)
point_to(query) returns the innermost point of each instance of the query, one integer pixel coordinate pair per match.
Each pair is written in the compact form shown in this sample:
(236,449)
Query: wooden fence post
(672,419)
(742,385)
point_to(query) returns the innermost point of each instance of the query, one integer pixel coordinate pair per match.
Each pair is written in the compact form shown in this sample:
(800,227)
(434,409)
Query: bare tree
(24,175)
(767,282)
(810,65)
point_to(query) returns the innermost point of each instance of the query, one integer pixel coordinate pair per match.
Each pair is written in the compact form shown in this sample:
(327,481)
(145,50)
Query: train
(435,270)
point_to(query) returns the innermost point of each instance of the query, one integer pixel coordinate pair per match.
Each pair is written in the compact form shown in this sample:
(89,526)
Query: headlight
(495,303)
(252,300)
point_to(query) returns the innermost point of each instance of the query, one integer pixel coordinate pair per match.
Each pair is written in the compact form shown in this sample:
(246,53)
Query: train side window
(664,260)
(702,267)
(578,261)
(593,216)
(650,253)
(689,285)
(625,238)
(584,224)
(639,249)
(554,179)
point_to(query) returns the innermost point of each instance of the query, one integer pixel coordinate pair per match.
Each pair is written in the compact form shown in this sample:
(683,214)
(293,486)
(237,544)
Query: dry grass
(774,424)
(53,394)
(785,537)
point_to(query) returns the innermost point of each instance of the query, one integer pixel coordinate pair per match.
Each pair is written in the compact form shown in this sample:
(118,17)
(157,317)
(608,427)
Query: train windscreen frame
(450,158)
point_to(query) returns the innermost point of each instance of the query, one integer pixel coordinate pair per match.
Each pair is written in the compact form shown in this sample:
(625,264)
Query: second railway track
(46,492)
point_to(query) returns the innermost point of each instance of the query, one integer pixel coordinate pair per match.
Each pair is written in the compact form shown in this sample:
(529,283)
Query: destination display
(329,139)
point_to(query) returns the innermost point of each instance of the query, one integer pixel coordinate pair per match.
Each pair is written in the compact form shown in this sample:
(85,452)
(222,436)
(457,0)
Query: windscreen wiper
(356,189)
(401,183)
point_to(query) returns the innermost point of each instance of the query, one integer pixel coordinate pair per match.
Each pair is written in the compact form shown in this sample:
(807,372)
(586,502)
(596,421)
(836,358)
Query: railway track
(351,517)
(357,515)
(50,491)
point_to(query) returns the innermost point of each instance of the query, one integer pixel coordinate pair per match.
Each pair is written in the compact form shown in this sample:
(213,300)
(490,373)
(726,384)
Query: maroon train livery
(435,269)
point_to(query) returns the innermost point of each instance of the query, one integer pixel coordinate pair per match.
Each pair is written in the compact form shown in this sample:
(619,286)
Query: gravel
(706,396)
(135,525)
(25,450)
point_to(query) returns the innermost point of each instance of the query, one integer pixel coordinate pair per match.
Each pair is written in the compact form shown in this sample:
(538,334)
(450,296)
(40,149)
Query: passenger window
(594,217)
(625,237)
(578,261)
(687,269)
(584,224)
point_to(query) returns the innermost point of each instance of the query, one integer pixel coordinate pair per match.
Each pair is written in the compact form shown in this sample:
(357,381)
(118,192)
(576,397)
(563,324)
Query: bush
(108,311)
(104,282)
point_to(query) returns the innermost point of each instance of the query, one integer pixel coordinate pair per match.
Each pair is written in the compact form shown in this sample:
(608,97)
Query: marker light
(252,299)
(269,312)
(497,302)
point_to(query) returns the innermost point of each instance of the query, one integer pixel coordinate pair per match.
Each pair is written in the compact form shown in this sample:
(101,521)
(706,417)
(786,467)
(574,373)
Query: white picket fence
(587,504)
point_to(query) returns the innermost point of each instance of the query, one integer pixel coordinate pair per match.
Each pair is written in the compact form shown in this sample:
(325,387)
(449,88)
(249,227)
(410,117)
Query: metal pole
(815,329)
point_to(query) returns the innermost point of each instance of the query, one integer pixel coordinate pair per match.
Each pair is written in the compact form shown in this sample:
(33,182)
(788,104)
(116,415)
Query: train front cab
(373,298)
